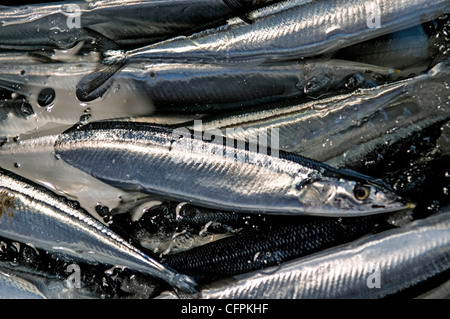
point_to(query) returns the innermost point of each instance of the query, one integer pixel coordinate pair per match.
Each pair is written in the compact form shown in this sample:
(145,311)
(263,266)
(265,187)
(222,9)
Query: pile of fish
(225,149)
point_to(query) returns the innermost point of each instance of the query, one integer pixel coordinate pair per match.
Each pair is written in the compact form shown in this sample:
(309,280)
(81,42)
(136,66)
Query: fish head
(331,196)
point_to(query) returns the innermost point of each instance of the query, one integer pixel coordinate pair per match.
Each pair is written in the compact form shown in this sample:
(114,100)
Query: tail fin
(94,85)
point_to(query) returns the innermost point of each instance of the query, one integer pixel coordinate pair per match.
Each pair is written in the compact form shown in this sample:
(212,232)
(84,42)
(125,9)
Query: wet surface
(215,244)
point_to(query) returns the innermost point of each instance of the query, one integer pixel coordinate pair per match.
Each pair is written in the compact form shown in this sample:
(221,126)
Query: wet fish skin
(30,213)
(135,23)
(403,256)
(271,245)
(327,128)
(240,85)
(293,30)
(398,50)
(181,166)
(14,287)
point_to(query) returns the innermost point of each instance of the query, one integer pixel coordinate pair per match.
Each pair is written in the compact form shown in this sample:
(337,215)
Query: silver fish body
(14,287)
(204,170)
(135,23)
(33,215)
(194,87)
(293,30)
(326,129)
(375,266)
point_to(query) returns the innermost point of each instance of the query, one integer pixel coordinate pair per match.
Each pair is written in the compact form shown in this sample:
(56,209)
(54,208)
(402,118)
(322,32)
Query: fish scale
(253,250)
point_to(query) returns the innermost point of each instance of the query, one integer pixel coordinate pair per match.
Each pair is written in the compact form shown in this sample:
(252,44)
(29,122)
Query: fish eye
(361,192)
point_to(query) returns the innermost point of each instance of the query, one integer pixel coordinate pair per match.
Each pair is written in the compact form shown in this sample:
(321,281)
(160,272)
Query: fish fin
(240,10)
(95,84)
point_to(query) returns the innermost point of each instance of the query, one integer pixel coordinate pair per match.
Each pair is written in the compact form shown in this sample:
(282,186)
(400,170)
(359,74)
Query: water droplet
(46,97)
(84,118)
(26,109)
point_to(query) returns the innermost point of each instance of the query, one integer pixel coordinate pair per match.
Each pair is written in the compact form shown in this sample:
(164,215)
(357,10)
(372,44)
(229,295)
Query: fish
(240,86)
(294,29)
(374,266)
(38,96)
(187,166)
(282,31)
(65,163)
(326,129)
(61,25)
(30,213)
(14,287)
(271,245)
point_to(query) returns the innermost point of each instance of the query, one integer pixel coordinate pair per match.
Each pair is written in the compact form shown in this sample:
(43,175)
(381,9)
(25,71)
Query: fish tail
(185,283)
(94,85)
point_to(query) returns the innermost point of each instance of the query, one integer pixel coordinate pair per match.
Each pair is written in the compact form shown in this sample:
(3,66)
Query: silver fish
(282,31)
(200,169)
(326,129)
(190,87)
(371,267)
(293,29)
(135,23)
(31,214)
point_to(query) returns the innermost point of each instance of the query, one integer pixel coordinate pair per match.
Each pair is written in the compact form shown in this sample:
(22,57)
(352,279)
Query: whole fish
(326,129)
(294,29)
(32,214)
(59,25)
(285,30)
(37,96)
(374,266)
(187,166)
